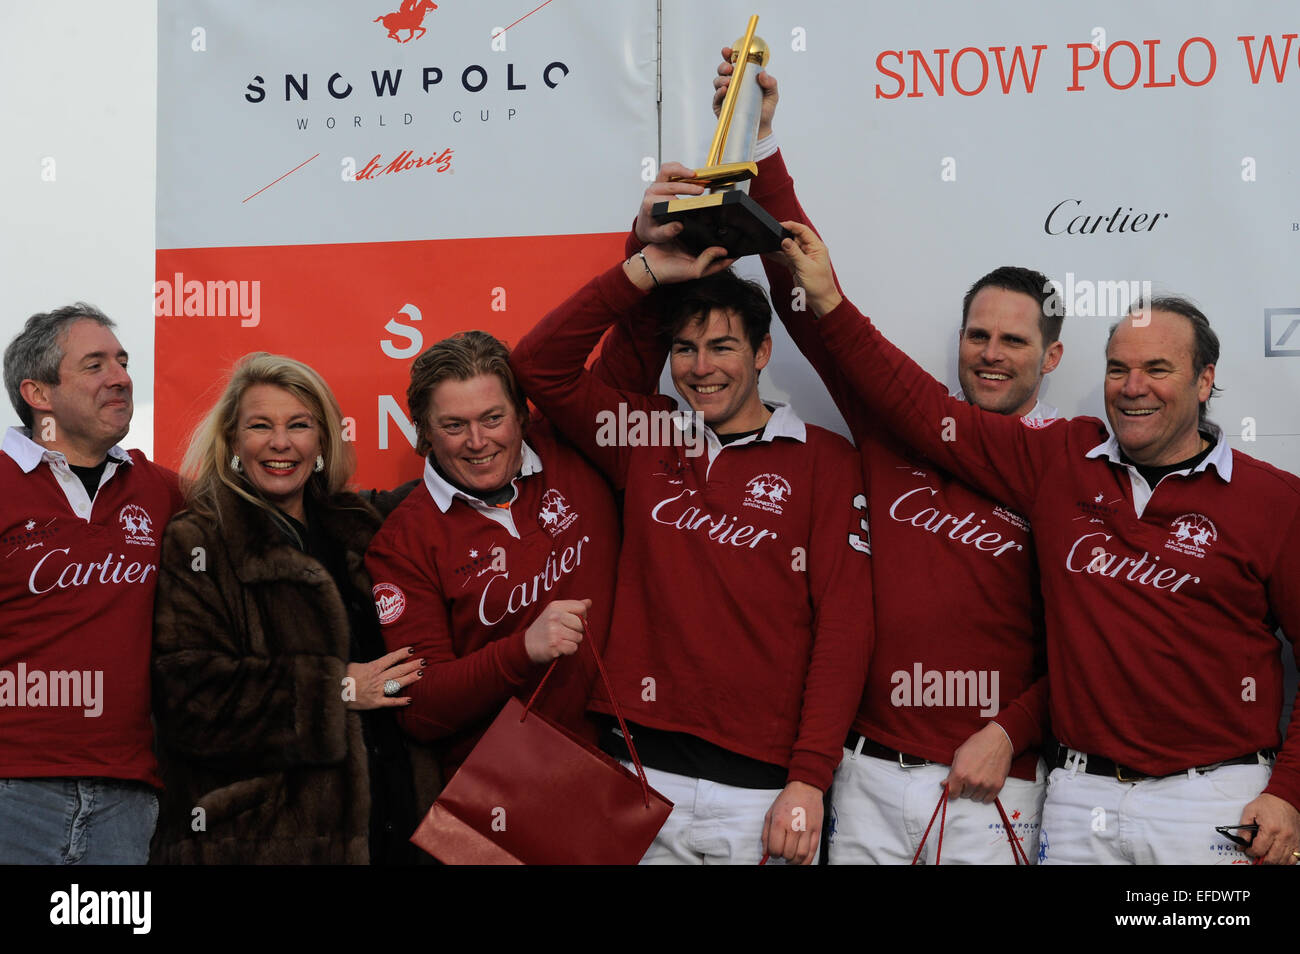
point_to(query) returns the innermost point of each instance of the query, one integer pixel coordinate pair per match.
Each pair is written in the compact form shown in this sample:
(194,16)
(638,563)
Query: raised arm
(550,363)
(997,454)
(774,191)
(550,359)
(632,353)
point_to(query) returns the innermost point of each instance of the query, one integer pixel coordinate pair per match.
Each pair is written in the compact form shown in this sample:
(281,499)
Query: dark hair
(458,358)
(1205,343)
(1051,312)
(690,302)
(37,351)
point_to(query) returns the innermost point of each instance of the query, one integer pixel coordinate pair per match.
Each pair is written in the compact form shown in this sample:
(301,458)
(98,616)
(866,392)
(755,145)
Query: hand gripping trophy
(726,215)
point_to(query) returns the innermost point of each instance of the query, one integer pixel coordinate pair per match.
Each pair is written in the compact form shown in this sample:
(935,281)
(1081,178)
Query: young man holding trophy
(742,610)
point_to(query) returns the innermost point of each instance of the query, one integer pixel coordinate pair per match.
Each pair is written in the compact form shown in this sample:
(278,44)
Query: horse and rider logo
(1192,533)
(136,525)
(767,492)
(556,514)
(409,17)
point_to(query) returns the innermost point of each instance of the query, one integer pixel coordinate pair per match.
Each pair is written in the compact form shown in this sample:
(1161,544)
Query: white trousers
(880,810)
(710,824)
(1099,820)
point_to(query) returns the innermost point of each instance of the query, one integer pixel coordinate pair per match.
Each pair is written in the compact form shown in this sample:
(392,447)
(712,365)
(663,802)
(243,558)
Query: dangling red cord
(1017,849)
(618,712)
(943,804)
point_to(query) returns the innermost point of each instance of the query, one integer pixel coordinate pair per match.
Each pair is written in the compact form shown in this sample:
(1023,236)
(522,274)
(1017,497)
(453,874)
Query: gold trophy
(726,215)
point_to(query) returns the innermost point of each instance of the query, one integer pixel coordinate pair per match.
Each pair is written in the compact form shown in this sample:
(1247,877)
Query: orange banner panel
(357,313)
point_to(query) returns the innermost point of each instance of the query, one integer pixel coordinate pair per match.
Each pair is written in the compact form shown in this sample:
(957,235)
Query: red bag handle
(1017,849)
(618,713)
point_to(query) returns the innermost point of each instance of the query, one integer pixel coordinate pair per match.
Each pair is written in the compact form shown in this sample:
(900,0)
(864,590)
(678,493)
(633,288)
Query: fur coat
(261,759)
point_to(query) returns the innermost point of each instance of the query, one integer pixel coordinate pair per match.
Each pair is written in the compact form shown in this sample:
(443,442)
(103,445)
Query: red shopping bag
(532,792)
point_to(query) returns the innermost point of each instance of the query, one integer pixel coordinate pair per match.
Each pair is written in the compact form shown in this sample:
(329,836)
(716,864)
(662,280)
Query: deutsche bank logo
(1281,328)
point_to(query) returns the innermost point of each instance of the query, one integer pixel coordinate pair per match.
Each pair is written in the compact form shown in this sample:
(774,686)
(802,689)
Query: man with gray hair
(80,525)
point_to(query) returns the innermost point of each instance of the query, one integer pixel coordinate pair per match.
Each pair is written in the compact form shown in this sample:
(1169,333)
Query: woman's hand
(363,688)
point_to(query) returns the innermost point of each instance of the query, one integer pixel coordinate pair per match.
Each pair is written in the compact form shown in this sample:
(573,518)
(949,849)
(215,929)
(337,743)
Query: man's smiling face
(1153,393)
(91,406)
(716,371)
(1001,359)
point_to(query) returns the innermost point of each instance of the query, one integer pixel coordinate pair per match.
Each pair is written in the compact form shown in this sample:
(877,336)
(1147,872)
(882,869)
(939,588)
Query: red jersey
(76,612)
(1160,602)
(462,581)
(958,614)
(742,615)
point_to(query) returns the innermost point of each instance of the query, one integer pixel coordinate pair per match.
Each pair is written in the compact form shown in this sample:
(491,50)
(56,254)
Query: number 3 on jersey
(862,542)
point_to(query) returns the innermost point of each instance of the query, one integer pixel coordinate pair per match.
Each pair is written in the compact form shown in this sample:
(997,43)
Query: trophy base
(728,173)
(730,219)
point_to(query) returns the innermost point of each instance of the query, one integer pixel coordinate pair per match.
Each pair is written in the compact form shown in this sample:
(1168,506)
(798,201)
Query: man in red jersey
(1167,561)
(742,613)
(80,523)
(957,690)
(490,567)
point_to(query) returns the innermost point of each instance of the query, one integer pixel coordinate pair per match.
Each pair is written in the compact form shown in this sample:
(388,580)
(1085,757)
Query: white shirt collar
(444,493)
(1220,456)
(27,454)
(1039,412)
(783,422)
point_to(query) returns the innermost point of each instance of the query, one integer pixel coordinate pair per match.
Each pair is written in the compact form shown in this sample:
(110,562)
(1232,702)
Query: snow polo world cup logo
(1192,534)
(767,492)
(136,526)
(556,514)
(409,17)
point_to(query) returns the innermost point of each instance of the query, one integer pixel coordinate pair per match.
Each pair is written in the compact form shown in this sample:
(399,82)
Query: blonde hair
(461,357)
(206,469)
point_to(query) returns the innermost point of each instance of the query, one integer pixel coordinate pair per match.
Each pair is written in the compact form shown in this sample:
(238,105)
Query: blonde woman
(273,692)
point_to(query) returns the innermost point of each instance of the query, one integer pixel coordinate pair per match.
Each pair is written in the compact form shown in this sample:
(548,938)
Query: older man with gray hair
(80,525)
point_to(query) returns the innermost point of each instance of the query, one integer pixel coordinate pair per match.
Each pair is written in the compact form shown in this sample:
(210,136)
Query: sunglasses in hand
(1227,832)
